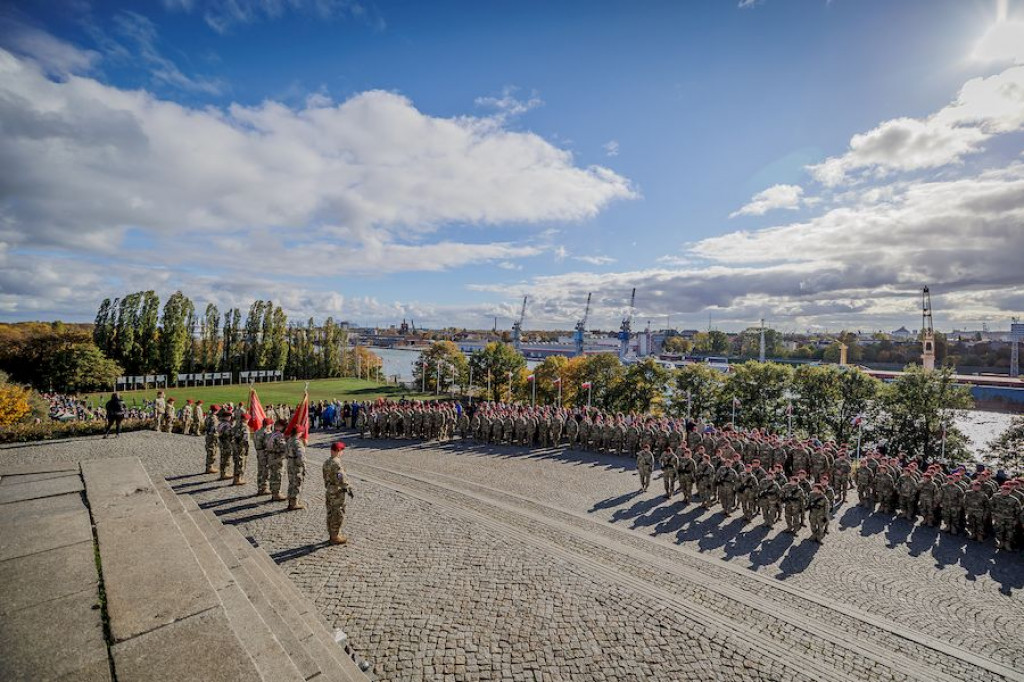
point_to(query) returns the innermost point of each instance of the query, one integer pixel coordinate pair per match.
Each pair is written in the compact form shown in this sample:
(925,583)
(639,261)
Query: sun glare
(1004,41)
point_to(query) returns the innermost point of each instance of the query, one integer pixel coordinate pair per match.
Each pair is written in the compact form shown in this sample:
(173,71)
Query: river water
(979,426)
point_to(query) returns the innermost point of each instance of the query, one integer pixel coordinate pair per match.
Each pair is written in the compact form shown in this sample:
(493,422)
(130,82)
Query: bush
(14,404)
(50,430)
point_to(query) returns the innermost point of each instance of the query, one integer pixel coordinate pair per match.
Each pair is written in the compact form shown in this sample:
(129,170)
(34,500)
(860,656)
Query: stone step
(343,654)
(294,613)
(270,658)
(166,620)
(255,592)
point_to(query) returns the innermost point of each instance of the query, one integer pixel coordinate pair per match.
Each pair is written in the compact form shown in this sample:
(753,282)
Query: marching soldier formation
(800,481)
(758,474)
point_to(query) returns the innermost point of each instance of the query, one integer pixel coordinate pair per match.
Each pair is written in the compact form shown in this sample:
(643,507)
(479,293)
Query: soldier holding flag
(297,433)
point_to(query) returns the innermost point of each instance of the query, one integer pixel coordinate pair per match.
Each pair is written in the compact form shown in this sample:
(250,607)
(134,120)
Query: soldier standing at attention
(296,455)
(259,441)
(197,411)
(186,417)
(793,500)
(170,412)
(644,466)
(210,429)
(818,508)
(686,472)
(669,462)
(336,488)
(226,441)
(976,509)
(159,405)
(1006,509)
(277,448)
(240,455)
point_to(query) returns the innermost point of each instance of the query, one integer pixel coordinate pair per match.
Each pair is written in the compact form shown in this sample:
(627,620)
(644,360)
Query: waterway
(979,426)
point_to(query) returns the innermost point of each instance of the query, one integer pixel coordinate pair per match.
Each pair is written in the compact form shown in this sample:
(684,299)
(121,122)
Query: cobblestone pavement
(480,563)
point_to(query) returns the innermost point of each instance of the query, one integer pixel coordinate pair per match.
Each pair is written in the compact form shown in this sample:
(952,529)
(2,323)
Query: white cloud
(984,107)
(141,33)
(1004,41)
(509,265)
(561,253)
(611,148)
(775,197)
(54,55)
(507,105)
(300,193)
(223,15)
(595,260)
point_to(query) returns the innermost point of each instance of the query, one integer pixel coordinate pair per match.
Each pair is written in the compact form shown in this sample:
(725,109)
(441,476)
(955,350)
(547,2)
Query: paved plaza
(471,562)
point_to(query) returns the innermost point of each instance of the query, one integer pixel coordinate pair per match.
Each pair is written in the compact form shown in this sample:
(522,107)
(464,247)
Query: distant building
(901,334)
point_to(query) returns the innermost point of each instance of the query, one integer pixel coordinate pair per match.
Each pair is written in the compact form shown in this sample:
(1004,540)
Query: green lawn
(289,392)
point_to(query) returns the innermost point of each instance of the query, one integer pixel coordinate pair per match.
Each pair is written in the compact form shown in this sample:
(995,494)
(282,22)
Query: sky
(814,163)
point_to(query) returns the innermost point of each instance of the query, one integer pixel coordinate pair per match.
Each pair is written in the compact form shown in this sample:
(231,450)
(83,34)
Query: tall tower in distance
(927,331)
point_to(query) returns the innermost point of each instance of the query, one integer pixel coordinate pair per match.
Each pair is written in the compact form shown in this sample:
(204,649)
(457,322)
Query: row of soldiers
(191,418)
(723,478)
(592,430)
(227,445)
(957,502)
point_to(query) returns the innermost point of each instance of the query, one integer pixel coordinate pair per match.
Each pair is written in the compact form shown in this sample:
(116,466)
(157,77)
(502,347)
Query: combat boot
(238,480)
(277,497)
(224,477)
(338,539)
(295,503)
(212,470)
(263,490)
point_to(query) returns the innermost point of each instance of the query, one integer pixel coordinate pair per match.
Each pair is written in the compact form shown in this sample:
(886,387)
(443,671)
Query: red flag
(529,378)
(557,380)
(299,425)
(586,384)
(256,414)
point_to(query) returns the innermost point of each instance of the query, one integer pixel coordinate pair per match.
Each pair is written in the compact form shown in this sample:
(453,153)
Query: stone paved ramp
(475,563)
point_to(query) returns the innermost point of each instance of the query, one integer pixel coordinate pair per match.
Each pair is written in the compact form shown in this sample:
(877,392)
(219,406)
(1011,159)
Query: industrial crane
(625,331)
(581,328)
(517,328)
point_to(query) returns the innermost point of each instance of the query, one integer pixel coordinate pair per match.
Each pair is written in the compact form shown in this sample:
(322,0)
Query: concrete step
(256,636)
(166,620)
(295,614)
(343,654)
(254,592)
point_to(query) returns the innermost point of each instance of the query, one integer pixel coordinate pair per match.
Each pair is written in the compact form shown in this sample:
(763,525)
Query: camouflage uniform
(669,461)
(644,466)
(928,493)
(768,492)
(1006,509)
(259,442)
(277,448)
(240,454)
(952,499)
(746,491)
(687,474)
(210,429)
(818,511)
(337,489)
(794,499)
(726,479)
(976,510)
(226,441)
(296,455)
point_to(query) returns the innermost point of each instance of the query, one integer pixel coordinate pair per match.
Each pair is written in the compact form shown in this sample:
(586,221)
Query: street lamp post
(471,383)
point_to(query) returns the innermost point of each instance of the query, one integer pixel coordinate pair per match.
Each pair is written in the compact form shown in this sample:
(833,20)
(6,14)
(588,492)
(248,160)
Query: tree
(641,389)
(677,345)
(15,403)
(1008,447)
(267,336)
(750,343)
(545,374)
(103,329)
(713,342)
(251,339)
(496,361)
(279,344)
(602,371)
(702,386)
(126,350)
(360,361)
(62,359)
(914,410)
(761,389)
(148,341)
(211,338)
(439,365)
(828,397)
(232,340)
(174,333)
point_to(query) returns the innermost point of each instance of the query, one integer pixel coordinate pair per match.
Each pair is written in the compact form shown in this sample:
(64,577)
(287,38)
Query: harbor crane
(517,328)
(927,331)
(625,331)
(581,328)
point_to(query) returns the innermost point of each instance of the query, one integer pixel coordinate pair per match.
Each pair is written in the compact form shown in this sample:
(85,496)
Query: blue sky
(814,163)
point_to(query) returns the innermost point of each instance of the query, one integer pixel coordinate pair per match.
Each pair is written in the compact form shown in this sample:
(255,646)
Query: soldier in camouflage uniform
(240,454)
(337,489)
(296,458)
(818,509)
(159,407)
(186,418)
(725,480)
(210,429)
(746,492)
(259,441)
(686,473)
(841,472)
(768,495)
(952,500)
(928,495)
(794,500)
(226,441)
(170,412)
(277,449)
(1006,514)
(669,461)
(644,467)
(706,481)
(976,511)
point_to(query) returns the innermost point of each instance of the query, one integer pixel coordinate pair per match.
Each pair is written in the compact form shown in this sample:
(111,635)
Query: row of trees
(914,414)
(56,357)
(143,339)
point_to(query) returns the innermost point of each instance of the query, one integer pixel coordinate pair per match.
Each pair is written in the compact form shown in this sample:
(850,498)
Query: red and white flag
(530,378)
(586,384)
(299,425)
(736,402)
(557,380)
(256,413)
(858,420)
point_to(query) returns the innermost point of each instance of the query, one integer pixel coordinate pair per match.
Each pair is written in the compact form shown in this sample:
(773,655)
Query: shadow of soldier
(798,558)
(771,551)
(610,502)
